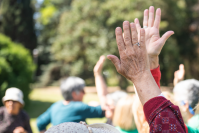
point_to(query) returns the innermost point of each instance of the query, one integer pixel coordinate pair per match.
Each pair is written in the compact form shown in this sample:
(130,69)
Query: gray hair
(187,90)
(70,85)
(116,96)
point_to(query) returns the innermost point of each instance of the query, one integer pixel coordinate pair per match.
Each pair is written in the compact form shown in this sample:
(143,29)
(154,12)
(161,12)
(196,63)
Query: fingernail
(151,7)
(126,22)
(118,29)
(136,20)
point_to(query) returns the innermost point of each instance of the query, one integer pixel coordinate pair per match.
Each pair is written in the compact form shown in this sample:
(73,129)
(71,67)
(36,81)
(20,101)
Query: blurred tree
(47,23)
(86,31)
(182,17)
(16,67)
(16,21)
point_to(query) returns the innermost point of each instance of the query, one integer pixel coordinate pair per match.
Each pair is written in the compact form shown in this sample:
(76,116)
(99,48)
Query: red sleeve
(163,116)
(156,75)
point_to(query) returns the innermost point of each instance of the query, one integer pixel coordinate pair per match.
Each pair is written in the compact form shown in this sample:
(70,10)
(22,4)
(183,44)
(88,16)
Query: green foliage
(86,31)
(17,22)
(50,11)
(16,67)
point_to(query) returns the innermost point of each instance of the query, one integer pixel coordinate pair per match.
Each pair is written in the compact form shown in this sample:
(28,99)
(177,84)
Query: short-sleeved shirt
(125,131)
(9,122)
(194,121)
(73,112)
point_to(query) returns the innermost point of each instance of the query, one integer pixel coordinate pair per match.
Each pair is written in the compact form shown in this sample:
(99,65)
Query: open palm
(154,42)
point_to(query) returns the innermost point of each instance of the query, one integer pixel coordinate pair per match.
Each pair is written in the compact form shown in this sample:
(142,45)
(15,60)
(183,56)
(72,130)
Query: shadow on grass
(35,108)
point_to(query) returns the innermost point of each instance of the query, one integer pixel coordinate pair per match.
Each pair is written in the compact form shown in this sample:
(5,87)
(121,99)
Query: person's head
(13,100)
(112,100)
(72,89)
(72,127)
(186,93)
(139,117)
(123,116)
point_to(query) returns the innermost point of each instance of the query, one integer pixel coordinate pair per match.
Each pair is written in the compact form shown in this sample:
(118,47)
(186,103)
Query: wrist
(146,87)
(140,76)
(153,61)
(97,74)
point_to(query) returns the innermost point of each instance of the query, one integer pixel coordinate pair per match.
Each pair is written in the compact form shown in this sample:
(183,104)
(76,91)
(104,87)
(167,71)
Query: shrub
(16,67)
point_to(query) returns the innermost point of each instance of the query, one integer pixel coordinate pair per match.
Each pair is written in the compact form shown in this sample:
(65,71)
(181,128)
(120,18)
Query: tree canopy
(86,30)
(16,67)
(17,22)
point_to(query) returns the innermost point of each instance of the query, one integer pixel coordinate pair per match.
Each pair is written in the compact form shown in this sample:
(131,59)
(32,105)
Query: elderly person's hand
(133,63)
(19,130)
(133,58)
(153,41)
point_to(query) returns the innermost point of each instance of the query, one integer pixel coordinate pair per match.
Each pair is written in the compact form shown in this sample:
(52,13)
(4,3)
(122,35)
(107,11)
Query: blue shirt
(73,112)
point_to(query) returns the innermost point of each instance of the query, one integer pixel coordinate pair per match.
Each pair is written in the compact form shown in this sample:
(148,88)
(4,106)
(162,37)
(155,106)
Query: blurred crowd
(147,110)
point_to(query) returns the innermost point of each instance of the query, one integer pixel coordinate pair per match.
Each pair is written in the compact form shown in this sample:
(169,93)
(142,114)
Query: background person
(71,109)
(109,99)
(12,118)
(186,93)
(123,117)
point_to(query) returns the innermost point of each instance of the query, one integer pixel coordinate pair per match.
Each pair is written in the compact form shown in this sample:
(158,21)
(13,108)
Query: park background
(44,41)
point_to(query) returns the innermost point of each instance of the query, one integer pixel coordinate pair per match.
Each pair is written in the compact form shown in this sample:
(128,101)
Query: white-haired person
(12,118)
(71,109)
(186,94)
(123,117)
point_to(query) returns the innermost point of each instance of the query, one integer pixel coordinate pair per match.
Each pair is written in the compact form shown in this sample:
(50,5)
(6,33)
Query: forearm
(101,89)
(176,81)
(146,87)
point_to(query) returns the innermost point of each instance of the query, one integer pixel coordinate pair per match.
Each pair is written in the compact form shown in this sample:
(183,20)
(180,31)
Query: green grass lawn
(41,99)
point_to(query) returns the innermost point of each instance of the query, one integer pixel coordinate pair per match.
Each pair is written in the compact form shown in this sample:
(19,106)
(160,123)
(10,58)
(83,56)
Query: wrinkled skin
(133,58)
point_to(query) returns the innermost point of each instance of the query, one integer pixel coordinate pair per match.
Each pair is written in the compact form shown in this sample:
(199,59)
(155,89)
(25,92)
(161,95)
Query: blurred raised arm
(100,83)
(179,74)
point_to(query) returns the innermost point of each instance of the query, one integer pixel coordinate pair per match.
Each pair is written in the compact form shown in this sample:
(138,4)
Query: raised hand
(153,41)
(133,58)
(98,67)
(179,74)
(133,63)
(100,83)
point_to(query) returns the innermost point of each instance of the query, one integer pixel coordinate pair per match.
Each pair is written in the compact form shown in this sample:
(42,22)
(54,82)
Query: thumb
(166,36)
(115,60)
